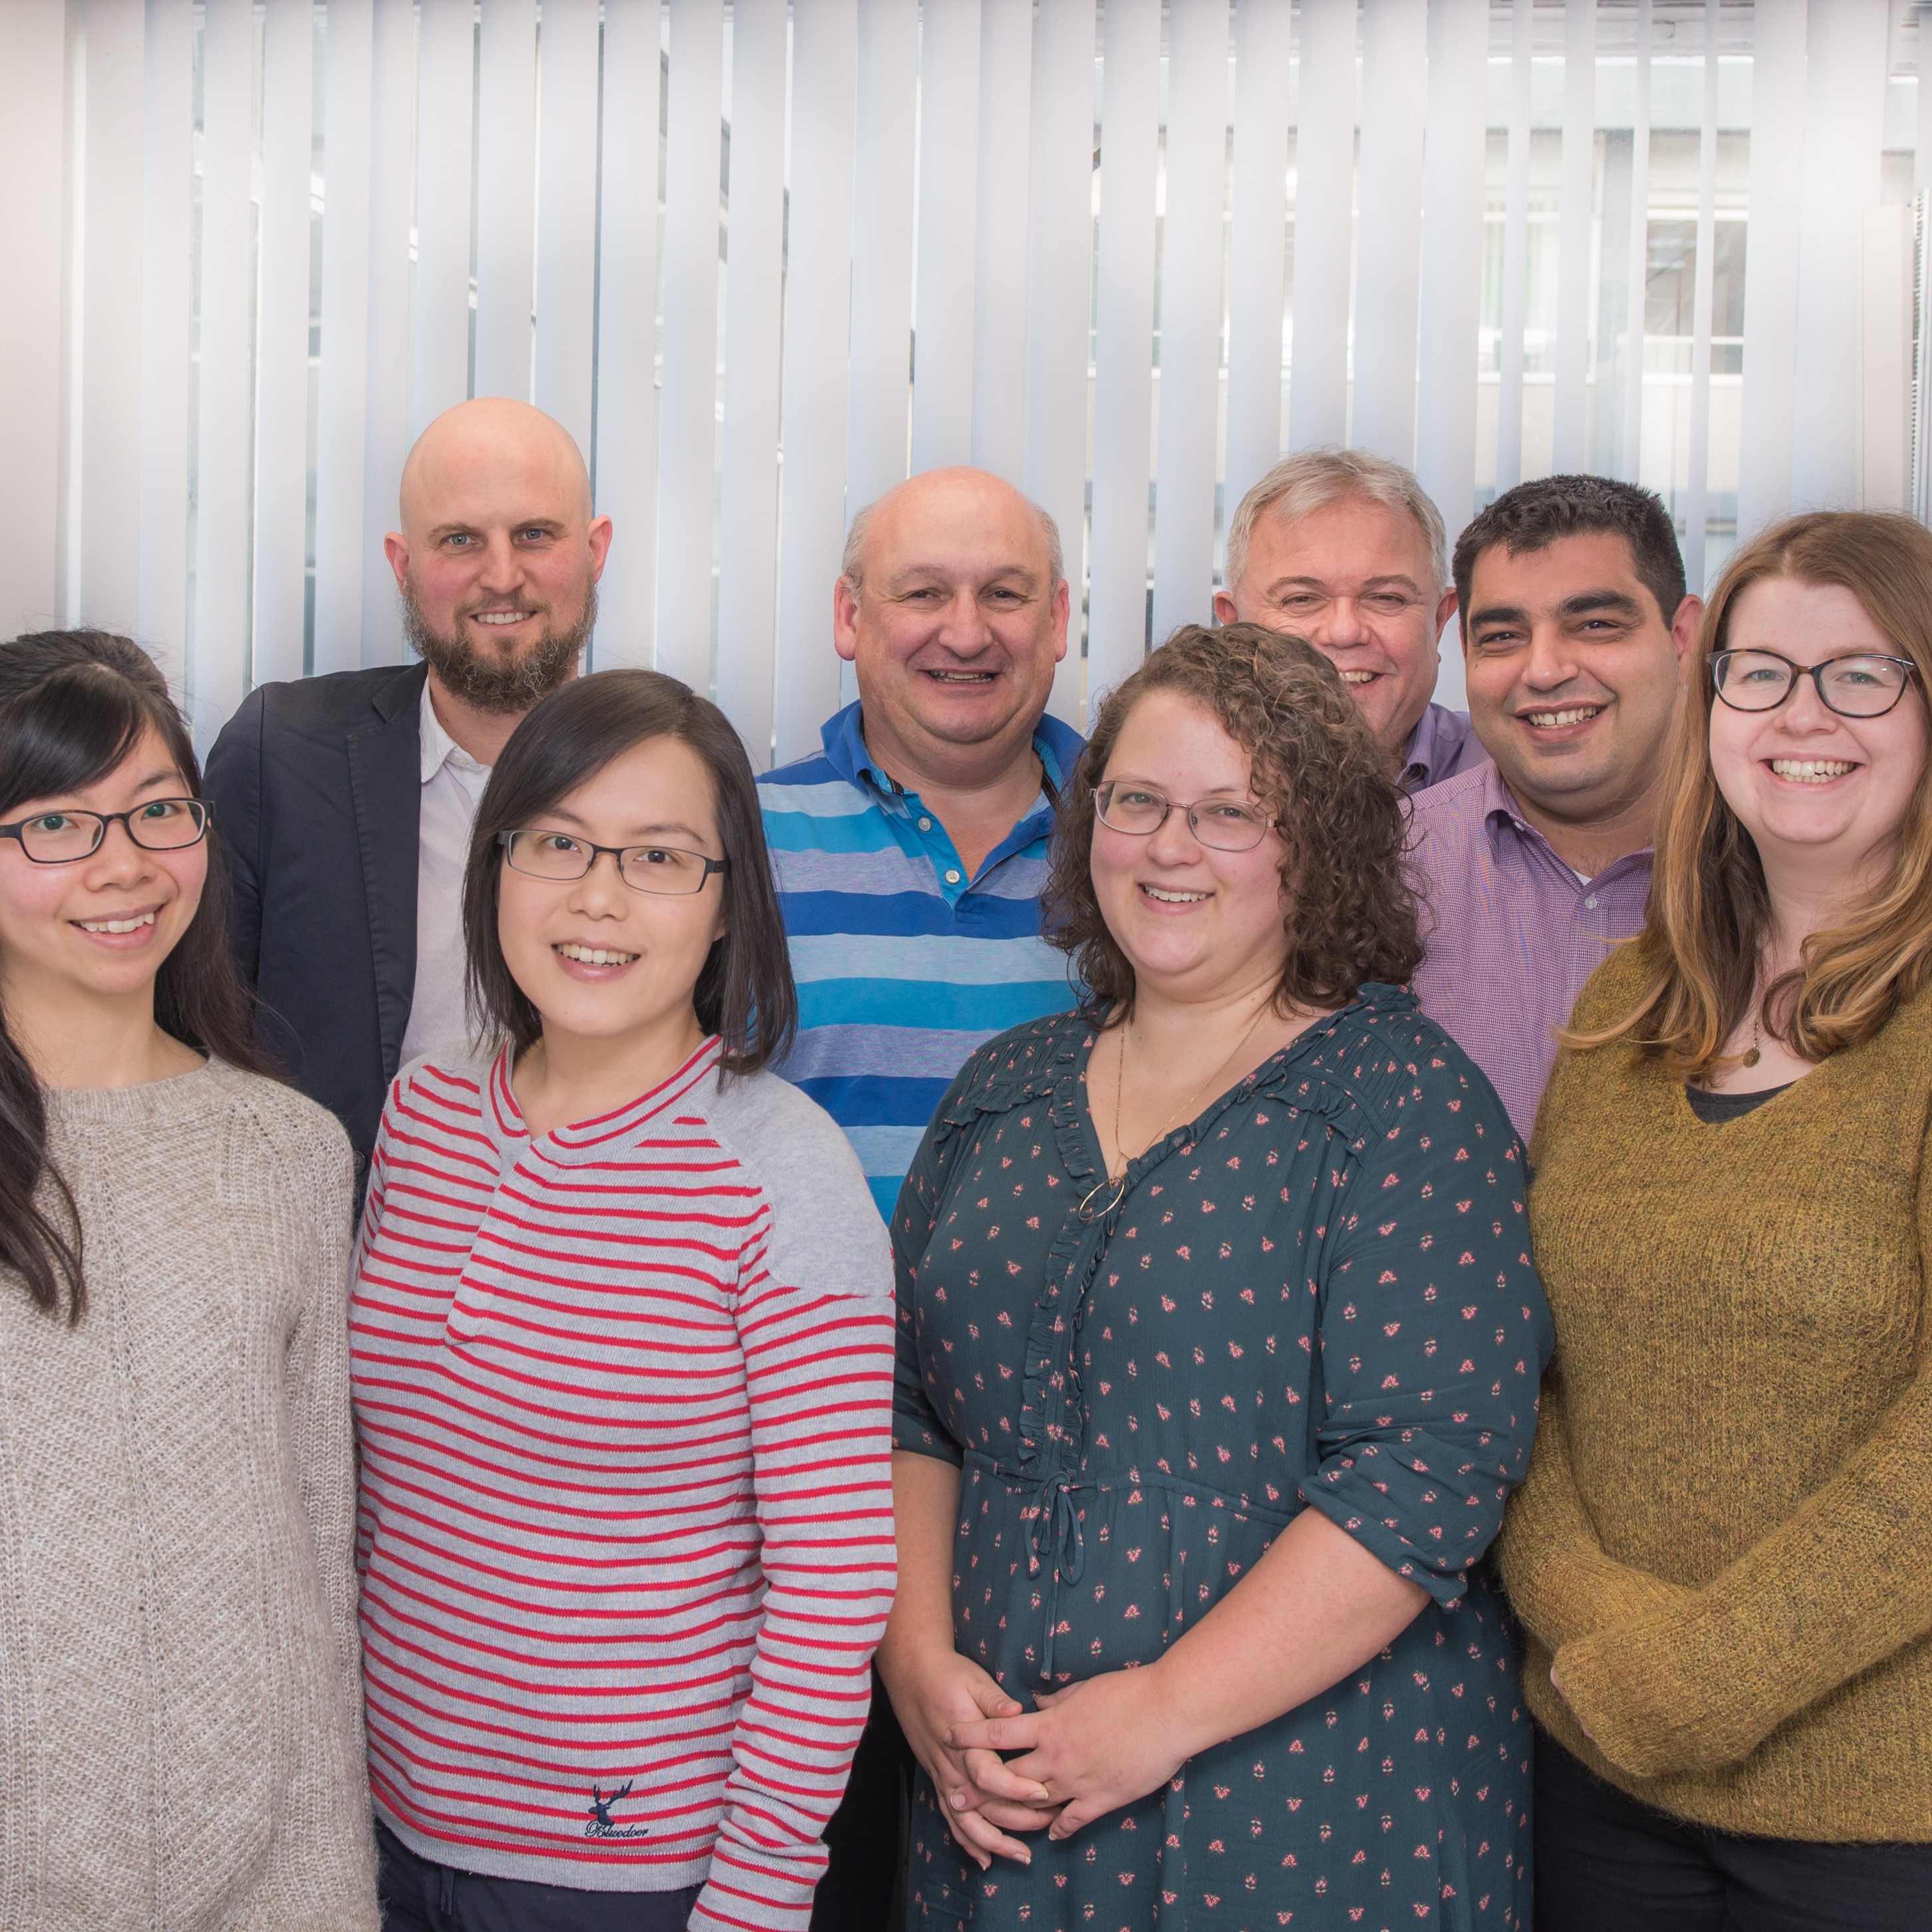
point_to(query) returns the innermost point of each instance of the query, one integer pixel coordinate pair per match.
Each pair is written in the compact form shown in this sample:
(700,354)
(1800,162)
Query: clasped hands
(1087,1750)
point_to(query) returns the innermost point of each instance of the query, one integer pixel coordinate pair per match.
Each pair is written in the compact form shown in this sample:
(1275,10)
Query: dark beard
(502,686)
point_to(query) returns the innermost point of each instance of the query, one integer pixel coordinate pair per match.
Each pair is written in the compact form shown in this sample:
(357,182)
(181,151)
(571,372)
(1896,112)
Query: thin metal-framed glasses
(1863,684)
(1226,824)
(561,856)
(161,825)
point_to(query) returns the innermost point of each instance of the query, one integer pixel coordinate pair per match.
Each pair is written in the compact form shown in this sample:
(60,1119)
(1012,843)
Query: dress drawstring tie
(1058,1546)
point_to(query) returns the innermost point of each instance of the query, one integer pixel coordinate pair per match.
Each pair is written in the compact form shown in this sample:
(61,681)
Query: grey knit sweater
(181,1739)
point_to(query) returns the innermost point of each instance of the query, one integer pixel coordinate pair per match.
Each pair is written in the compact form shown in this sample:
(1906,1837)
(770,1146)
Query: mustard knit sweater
(1725,1540)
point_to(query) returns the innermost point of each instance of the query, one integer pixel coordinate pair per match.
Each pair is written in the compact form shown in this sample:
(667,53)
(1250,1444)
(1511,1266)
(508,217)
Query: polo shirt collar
(1057,746)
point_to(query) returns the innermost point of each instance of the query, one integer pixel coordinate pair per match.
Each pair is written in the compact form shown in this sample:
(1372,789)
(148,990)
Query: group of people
(1310,1312)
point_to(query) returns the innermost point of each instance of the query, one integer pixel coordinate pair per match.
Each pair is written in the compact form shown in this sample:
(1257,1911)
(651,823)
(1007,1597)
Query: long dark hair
(1322,778)
(745,994)
(73,705)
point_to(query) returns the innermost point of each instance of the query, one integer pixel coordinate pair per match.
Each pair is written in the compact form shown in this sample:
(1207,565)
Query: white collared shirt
(452,788)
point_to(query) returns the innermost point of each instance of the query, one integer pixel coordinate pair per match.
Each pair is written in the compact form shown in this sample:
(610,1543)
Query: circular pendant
(1114,1188)
(1751,1056)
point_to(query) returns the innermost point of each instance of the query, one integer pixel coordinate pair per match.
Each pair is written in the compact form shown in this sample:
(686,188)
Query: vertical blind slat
(1060,287)
(33,128)
(817,334)
(1696,511)
(341,425)
(1515,254)
(999,278)
(1631,445)
(1771,262)
(1452,255)
(880,403)
(566,265)
(1844,117)
(1124,340)
(949,126)
(1258,244)
(688,447)
(445,71)
(167,298)
(281,342)
(386,412)
(1388,244)
(506,104)
(625,461)
(110,371)
(1573,270)
(1324,193)
(218,666)
(748,488)
(1193,240)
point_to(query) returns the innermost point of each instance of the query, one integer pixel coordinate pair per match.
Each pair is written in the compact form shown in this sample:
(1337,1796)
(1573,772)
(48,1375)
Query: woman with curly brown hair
(1218,1340)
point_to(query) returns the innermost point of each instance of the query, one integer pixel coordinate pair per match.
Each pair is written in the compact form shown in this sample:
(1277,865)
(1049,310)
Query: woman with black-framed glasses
(623,1343)
(1721,1552)
(180,1698)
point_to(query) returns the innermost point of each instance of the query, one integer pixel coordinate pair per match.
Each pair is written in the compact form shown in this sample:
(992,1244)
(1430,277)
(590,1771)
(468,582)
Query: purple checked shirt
(1512,931)
(1440,746)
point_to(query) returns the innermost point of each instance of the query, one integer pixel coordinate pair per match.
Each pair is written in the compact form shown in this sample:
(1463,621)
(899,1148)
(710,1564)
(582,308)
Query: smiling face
(597,958)
(1823,796)
(1194,922)
(1573,675)
(98,928)
(1355,578)
(956,624)
(499,555)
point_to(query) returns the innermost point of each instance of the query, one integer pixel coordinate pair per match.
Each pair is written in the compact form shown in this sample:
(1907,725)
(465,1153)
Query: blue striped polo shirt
(903,965)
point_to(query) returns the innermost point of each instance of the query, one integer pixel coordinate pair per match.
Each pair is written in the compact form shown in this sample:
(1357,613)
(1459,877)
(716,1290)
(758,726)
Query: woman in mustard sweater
(1723,1554)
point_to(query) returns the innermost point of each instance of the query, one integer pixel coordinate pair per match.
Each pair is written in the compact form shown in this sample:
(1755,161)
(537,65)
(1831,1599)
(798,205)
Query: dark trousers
(418,1895)
(863,1889)
(1605,1863)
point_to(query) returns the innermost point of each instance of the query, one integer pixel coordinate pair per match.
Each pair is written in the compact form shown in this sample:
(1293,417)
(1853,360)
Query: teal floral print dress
(1317,1295)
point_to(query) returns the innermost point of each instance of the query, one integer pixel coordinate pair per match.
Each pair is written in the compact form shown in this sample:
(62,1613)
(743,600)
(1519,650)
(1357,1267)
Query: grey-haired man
(1345,549)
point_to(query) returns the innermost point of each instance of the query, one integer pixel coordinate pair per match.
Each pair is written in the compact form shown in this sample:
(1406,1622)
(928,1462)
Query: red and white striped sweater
(626,1532)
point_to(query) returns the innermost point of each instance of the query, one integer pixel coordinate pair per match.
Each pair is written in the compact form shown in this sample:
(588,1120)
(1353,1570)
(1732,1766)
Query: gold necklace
(1752,1056)
(1117,1181)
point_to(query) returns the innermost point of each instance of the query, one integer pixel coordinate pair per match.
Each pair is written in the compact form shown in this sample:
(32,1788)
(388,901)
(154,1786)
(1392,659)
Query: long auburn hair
(73,705)
(1317,771)
(1708,917)
(746,993)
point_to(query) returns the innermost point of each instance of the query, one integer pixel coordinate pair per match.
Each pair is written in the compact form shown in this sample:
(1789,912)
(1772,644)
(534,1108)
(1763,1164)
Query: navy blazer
(317,789)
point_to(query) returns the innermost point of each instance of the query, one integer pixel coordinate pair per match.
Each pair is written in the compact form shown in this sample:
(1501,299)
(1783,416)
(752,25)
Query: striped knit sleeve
(814,1323)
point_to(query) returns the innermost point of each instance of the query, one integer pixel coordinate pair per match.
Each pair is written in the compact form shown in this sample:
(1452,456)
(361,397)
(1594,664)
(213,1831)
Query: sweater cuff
(1660,1693)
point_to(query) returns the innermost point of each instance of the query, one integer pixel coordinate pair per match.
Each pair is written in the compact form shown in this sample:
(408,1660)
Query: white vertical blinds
(1193,244)
(765,258)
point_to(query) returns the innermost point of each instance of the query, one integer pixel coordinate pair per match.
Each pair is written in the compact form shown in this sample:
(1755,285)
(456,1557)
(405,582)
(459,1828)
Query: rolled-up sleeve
(1434,1332)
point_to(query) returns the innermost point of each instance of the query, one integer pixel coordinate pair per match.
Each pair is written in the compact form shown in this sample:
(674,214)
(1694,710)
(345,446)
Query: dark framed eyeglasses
(1863,684)
(161,825)
(1227,824)
(561,856)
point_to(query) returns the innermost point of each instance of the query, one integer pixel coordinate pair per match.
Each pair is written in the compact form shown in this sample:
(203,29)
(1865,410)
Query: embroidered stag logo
(600,1805)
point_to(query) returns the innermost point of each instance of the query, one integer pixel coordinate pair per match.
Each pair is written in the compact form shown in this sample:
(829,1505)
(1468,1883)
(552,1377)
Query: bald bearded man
(345,801)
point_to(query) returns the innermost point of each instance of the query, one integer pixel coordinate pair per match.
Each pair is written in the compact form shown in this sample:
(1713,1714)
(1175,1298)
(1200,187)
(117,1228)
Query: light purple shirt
(1513,933)
(1441,746)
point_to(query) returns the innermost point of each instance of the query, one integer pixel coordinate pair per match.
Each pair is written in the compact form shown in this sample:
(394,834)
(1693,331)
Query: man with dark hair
(1575,624)
(345,801)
